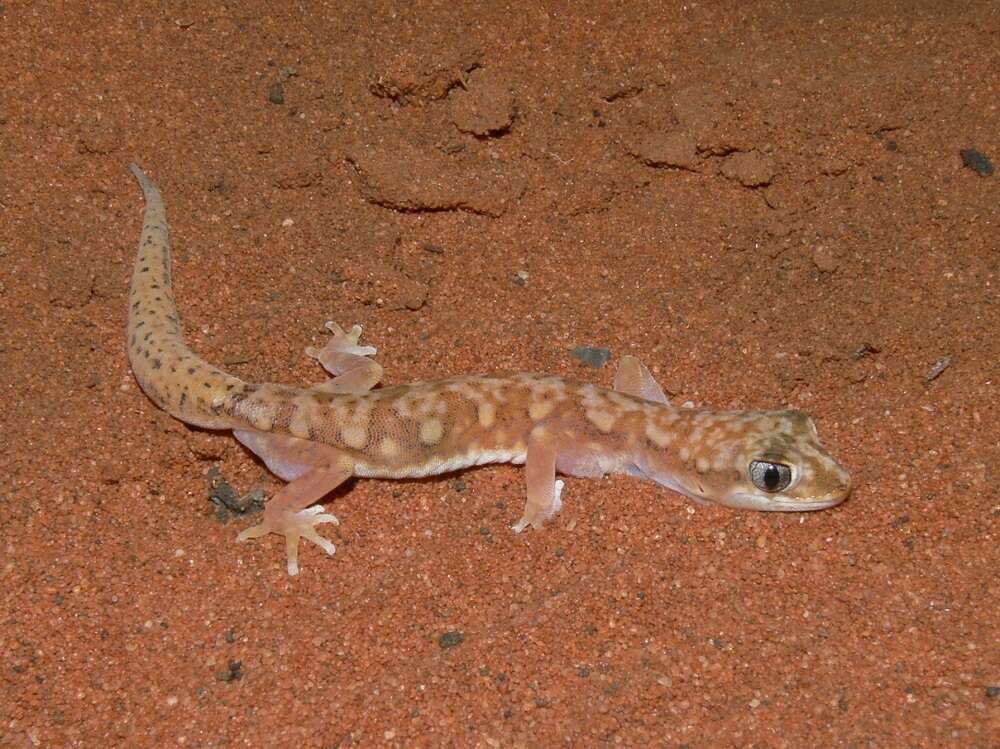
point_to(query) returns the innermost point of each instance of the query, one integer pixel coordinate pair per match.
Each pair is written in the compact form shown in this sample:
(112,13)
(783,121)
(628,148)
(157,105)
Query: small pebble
(825,259)
(591,355)
(939,367)
(233,673)
(865,349)
(451,639)
(977,161)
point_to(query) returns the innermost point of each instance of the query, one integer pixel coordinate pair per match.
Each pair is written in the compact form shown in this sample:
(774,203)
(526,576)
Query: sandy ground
(768,203)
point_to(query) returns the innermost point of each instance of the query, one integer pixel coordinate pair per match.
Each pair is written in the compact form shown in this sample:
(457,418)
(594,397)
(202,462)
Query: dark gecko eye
(770,477)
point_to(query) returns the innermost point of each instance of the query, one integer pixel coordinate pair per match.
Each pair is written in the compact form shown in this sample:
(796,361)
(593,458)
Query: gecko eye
(770,477)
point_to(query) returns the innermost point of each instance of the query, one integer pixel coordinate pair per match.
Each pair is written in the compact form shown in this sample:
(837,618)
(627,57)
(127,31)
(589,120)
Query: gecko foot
(342,342)
(536,519)
(350,364)
(293,526)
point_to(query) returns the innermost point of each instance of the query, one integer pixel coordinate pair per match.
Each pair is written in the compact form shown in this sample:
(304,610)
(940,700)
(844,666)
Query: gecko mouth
(743,501)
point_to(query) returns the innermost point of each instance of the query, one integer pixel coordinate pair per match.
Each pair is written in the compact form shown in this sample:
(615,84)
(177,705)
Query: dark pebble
(591,355)
(977,161)
(233,673)
(451,639)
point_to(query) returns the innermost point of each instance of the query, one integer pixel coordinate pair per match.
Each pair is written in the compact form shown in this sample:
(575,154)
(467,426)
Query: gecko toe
(320,518)
(557,489)
(323,543)
(292,552)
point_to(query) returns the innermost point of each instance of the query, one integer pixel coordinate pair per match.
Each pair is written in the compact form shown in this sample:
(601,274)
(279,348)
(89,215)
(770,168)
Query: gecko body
(315,438)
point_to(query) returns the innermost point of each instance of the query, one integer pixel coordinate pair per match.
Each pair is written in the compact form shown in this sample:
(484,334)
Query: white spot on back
(487,414)
(660,437)
(538,410)
(603,420)
(354,436)
(388,447)
(431,431)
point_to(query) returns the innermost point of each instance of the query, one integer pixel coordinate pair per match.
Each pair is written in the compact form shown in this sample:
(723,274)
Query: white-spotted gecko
(318,437)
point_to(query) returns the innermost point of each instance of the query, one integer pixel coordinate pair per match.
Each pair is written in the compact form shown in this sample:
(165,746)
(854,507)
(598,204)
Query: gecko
(316,438)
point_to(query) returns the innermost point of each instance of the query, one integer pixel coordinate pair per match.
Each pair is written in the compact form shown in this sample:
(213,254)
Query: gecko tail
(171,374)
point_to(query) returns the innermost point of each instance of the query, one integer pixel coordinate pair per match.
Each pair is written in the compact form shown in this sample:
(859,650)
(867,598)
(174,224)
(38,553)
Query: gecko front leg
(544,491)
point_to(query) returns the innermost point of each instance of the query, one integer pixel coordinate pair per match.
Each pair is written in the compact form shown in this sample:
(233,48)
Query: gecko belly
(437,465)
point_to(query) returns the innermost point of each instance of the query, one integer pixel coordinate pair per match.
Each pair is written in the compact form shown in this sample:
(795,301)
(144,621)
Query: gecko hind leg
(313,470)
(348,361)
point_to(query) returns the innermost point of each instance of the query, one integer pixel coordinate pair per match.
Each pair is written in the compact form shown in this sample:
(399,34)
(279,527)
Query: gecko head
(778,465)
(753,460)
